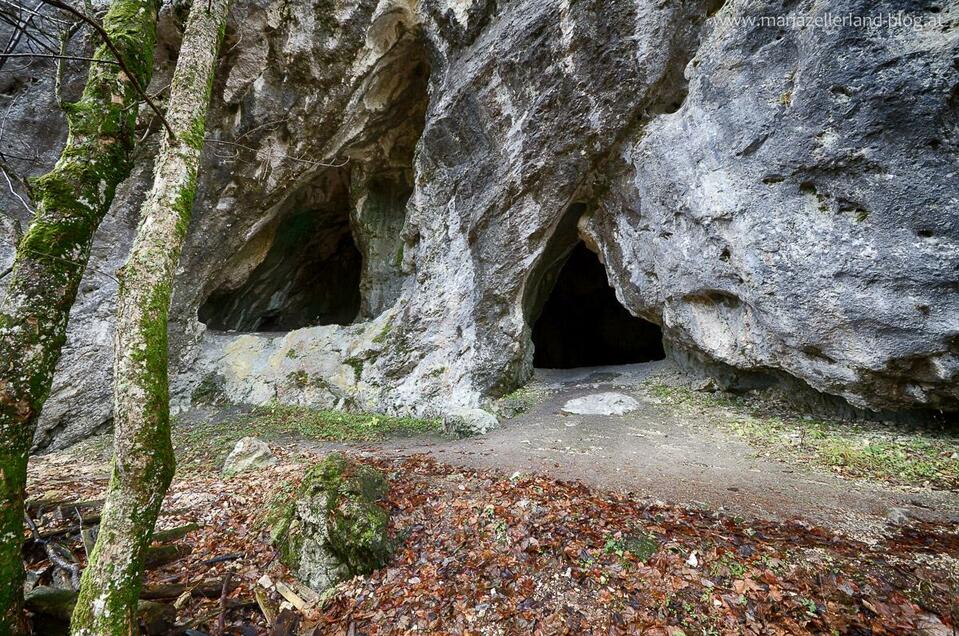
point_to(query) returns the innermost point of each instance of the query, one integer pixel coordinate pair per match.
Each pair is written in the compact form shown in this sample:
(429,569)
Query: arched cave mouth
(582,324)
(333,250)
(310,275)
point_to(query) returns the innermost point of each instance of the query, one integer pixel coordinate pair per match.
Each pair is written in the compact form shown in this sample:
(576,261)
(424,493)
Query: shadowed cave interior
(333,255)
(582,323)
(309,276)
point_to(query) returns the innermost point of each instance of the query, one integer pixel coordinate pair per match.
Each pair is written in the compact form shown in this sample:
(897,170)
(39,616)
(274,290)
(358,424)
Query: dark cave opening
(332,252)
(309,276)
(582,323)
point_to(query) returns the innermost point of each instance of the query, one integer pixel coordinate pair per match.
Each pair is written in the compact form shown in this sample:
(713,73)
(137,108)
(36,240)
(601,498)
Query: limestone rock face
(780,199)
(334,527)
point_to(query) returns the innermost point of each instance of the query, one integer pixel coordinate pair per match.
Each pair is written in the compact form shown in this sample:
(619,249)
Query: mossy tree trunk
(143,460)
(70,201)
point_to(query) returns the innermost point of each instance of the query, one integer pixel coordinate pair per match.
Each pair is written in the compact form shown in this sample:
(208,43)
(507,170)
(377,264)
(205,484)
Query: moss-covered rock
(333,526)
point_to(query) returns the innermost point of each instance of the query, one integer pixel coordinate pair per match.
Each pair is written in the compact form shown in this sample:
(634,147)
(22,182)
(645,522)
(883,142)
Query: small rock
(692,561)
(930,625)
(601,404)
(708,386)
(898,517)
(249,453)
(468,422)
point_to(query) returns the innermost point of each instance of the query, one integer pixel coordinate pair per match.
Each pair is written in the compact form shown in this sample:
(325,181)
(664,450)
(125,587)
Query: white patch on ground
(601,404)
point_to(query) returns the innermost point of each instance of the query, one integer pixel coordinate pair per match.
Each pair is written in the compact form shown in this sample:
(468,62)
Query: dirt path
(664,454)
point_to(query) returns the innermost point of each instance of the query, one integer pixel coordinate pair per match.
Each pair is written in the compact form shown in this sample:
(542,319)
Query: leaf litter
(490,553)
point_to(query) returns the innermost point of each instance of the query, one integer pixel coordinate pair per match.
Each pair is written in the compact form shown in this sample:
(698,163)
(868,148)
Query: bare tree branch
(19,30)
(14,192)
(116,54)
(57,57)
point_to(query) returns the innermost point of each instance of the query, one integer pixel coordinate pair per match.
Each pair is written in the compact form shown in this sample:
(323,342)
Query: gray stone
(467,422)
(601,404)
(248,454)
(333,526)
(899,517)
(755,191)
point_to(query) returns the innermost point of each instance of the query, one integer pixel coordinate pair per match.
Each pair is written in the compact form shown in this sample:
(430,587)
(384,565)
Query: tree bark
(70,200)
(143,459)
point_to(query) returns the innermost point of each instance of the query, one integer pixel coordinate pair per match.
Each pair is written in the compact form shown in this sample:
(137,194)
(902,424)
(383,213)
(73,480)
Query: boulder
(333,526)
(249,453)
(469,422)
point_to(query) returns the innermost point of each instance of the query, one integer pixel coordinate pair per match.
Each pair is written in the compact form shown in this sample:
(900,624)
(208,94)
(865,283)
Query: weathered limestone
(601,404)
(248,454)
(466,422)
(780,200)
(334,526)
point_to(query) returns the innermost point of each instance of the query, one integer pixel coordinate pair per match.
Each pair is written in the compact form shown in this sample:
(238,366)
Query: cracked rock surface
(781,201)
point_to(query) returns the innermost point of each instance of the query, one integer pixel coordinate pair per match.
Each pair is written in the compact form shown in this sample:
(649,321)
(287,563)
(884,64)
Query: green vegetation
(919,456)
(344,497)
(520,401)
(209,391)
(357,365)
(642,546)
(206,445)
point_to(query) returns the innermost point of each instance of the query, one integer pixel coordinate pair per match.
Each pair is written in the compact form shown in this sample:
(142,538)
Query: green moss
(196,133)
(642,546)
(357,525)
(278,519)
(209,391)
(299,379)
(183,206)
(381,337)
(357,365)
(520,401)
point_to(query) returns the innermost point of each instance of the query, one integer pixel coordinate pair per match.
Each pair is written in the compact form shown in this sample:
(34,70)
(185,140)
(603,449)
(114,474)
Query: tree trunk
(70,200)
(143,460)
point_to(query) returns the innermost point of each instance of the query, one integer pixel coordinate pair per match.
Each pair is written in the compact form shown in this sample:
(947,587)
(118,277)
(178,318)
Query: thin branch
(281,155)
(20,7)
(20,29)
(56,559)
(58,57)
(14,192)
(116,53)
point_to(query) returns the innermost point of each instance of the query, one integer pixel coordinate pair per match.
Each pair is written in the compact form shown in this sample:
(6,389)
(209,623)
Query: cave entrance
(333,250)
(582,323)
(310,272)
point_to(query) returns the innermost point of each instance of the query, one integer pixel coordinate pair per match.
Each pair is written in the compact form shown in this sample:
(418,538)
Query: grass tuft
(206,444)
(915,456)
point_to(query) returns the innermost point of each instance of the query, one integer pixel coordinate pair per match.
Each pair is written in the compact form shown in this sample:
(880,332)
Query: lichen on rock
(333,526)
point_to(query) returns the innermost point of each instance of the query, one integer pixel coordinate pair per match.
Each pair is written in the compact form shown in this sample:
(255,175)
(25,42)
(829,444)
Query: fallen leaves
(486,553)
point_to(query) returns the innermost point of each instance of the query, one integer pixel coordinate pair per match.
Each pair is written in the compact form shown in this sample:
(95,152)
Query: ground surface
(681,453)
(694,514)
